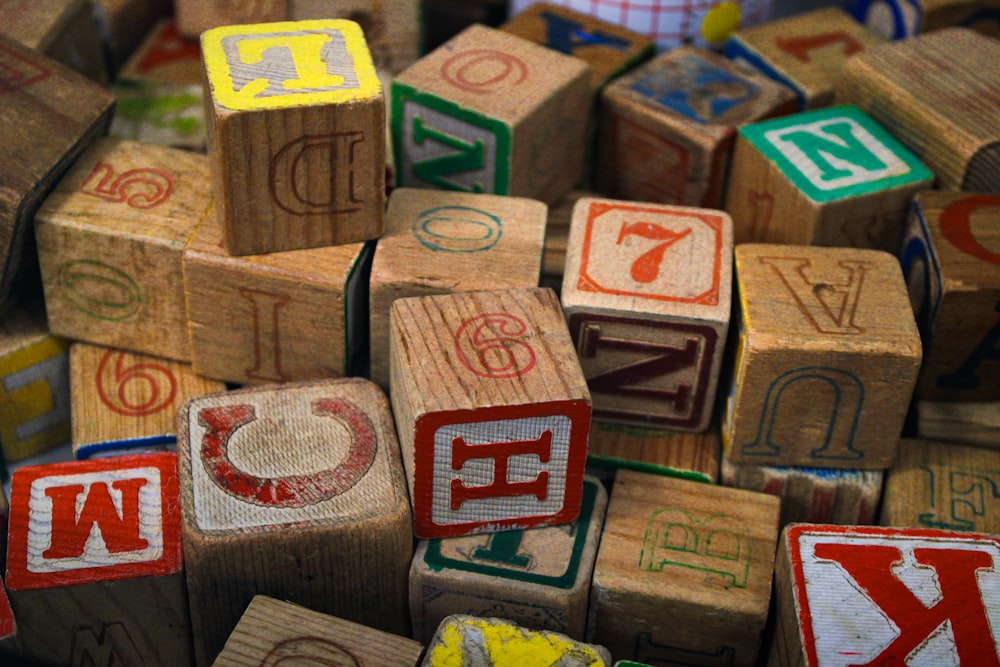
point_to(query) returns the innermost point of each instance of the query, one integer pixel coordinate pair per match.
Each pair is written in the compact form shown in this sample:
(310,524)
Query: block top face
(97,520)
(964,231)
(835,153)
(649,258)
(825,298)
(870,595)
(494,73)
(270,458)
(21,326)
(288,64)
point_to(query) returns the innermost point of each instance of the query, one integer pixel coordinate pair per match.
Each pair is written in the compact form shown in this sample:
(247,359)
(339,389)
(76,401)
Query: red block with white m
(883,597)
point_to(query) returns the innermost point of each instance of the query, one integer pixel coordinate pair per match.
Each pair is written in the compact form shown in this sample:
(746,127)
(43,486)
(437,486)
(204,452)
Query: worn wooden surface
(123,24)
(63,30)
(899,20)
(658,451)
(196,16)
(969,423)
(557,237)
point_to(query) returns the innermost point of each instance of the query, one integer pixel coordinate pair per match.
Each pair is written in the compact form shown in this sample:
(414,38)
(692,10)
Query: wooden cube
(827,358)
(110,239)
(899,19)
(667,127)
(492,411)
(493,642)
(951,260)
(64,30)
(448,242)
(296,135)
(684,572)
(804,51)
(40,142)
(969,423)
(273,632)
(125,23)
(196,16)
(557,238)
(693,456)
(124,401)
(938,94)
(647,296)
(294,491)
(812,495)
(34,384)
(165,55)
(493,113)
(865,596)
(295,315)
(537,578)
(827,177)
(95,569)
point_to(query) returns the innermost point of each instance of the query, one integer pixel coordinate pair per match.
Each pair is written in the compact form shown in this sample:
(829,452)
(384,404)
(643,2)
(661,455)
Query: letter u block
(297,135)
(293,491)
(95,568)
(858,595)
(492,408)
(827,356)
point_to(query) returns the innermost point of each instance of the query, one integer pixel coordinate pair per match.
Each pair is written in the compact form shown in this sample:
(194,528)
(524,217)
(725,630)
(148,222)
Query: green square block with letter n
(439,144)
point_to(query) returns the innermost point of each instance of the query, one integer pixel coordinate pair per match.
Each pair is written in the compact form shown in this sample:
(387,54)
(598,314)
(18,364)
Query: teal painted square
(836,153)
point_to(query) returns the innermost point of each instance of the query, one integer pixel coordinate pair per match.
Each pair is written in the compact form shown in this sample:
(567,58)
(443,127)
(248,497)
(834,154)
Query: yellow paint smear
(509,646)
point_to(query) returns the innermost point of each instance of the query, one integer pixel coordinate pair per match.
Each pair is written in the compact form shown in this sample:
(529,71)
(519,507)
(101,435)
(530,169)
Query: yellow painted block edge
(221,81)
(510,646)
(12,412)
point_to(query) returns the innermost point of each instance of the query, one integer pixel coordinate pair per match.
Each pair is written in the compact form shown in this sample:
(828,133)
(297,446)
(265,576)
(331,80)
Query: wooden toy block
(34,384)
(557,236)
(196,16)
(40,142)
(804,51)
(492,411)
(63,30)
(123,24)
(647,296)
(95,571)
(693,456)
(951,258)
(165,55)
(537,578)
(899,19)
(8,625)
(938,93)
(273,632)
(879,596)
(295,315)
(124,401)
(812,495)
(826,361)
(667,127)
(110,239)
(302,100)
(448,242)
(826,177)
(468,641)
(293,491)
(683,574)
(493,113)
(969,423)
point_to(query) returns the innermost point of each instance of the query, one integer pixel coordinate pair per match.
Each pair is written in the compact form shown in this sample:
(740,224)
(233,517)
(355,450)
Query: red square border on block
(132,501)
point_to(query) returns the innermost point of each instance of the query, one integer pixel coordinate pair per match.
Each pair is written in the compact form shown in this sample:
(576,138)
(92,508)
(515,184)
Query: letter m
(111,646)
(76,510)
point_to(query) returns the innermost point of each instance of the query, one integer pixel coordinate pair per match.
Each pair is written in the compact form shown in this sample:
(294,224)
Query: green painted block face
(836,153)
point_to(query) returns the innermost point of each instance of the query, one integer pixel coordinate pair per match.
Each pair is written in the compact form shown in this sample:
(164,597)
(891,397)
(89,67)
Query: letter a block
(294,491)
(828,177)
(94,562)
(297,127)
(881,596)
(826,361)
(647,294)
(492,409)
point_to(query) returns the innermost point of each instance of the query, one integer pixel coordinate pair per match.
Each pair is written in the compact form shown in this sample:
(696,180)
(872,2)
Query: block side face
(964,229)
(663,452)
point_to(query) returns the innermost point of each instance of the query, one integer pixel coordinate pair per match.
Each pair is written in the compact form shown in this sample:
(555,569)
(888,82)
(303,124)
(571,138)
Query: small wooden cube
(295,315)
(647,296)
(684,572)
(165,55)
(804,51)
(812,495)
(493,113)
(693,456)
(64,30)
(110,239)
(492,410)
(969,423)
(899,19)
(827,359)
(294,491)
(938,93)
(34,384)
(880,596)
(447,242)
(493,642)
(951,258)
(538,578)
(123,24)
(667,127)
(273,632)
(296,135)
(124,401)
(827,177)
(95,568)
